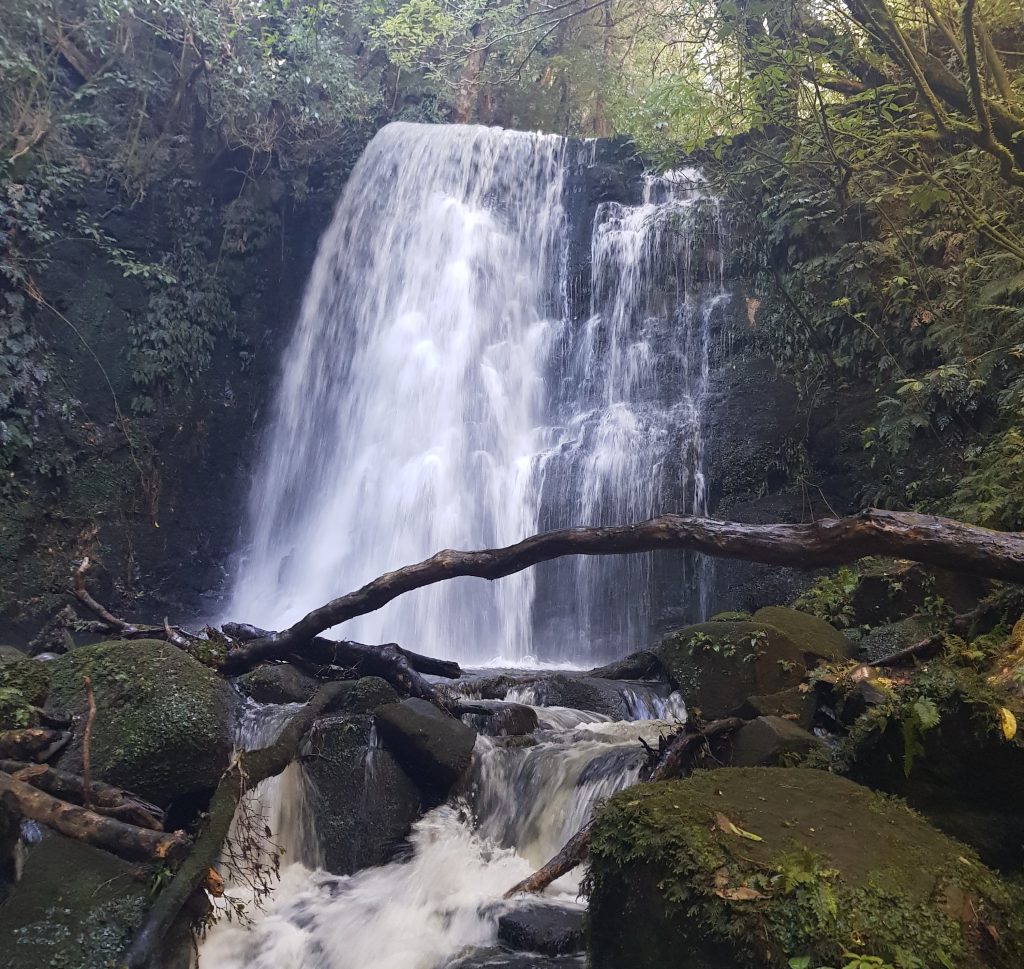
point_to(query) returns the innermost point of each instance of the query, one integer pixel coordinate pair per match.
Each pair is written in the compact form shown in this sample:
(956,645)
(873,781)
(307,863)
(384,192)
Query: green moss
(162,718)
(29,677)
(815,637)
(52,921)
(730,616)
(836,868)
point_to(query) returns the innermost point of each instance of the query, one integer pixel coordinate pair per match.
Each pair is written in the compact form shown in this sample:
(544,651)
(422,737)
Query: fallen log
(247,770)
(676,757)
(834,541)
(124,840)
(35,743)
(344,653)
(572,854)
(106,799)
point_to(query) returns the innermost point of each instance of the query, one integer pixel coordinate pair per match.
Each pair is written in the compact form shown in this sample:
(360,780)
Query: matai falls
(488,347)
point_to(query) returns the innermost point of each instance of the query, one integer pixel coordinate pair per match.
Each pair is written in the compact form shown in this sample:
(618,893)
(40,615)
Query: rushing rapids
(446,386)
(443,900)
(442,390)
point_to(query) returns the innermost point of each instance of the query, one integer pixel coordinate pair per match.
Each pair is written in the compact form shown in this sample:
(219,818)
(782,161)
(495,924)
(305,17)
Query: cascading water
(438,393)
(422,912)
(443,389)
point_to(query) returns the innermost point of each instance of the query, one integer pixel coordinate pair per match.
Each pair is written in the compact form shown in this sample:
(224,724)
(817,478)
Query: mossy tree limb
(247,770)
(922,538)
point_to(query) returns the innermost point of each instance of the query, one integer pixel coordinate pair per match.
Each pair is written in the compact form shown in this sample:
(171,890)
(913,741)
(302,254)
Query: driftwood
(922,538)
(679,754)
(248,769)
(676,757)
(125,840)
(33,743)
(572,854)
(105,798)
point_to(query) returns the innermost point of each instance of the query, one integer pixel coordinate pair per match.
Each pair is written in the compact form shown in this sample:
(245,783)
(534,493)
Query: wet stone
(498,958)
(550,929)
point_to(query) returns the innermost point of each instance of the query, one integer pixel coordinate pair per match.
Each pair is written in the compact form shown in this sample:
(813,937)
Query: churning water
(446,898)
(439,393)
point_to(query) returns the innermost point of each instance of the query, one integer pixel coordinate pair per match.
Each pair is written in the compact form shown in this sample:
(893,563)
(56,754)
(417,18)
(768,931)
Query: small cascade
(445,898)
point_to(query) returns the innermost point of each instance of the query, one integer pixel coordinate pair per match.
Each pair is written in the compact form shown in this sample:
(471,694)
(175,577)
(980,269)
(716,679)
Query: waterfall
(439,392)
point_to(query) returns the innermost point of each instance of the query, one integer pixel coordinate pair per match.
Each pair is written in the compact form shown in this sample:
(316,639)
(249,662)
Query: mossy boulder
(75,907)
(814,637)
(889,591)
(797,704)
(24,684)
(765,867)
(163,720)
(718,665)
(278,683)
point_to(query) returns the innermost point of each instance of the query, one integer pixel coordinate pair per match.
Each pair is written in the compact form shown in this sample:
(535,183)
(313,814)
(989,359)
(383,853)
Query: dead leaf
(727,827)
(741,894)
(213,883)
(1008,723)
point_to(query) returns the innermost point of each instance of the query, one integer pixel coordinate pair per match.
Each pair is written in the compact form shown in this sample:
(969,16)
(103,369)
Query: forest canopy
(873,151)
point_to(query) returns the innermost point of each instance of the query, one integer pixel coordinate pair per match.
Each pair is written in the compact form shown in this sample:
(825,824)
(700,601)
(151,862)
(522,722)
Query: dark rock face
(75,907)
(434,748)
(674,870)
(793,704)
(900,589)
(279,683)
(366,802)
(550,929)
(772,742)
(583,693)
(24,684)
(163,721)
(966,779)
(891,637)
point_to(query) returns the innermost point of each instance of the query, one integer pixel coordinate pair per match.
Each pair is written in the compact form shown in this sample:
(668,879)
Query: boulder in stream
(767,866)
(366,803)
(163,720)
(545,927)
(278,683)
(433,747)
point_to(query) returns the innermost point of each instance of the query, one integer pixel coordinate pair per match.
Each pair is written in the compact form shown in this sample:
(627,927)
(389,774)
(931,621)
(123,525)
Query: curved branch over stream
(921,538)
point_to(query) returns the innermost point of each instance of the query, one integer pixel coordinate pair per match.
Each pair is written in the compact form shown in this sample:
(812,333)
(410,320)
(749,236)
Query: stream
(439,904)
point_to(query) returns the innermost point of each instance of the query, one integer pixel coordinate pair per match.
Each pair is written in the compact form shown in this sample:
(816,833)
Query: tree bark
(923,538)
(105,799)
(248,769)
(124,840)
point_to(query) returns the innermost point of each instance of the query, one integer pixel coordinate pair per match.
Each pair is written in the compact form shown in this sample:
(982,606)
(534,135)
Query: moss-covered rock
(24,684)
(75,907)
(815,637)
(718,665)
(162,726)
(773,742)
(278,683)
(761,866)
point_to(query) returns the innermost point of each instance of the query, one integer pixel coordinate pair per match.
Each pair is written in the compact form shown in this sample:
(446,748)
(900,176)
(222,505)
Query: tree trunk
(835,541)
